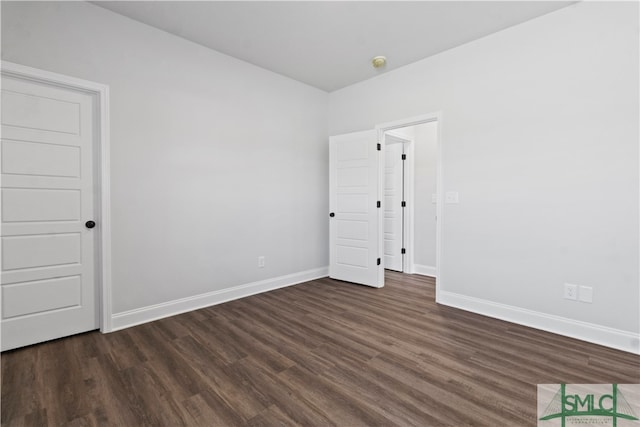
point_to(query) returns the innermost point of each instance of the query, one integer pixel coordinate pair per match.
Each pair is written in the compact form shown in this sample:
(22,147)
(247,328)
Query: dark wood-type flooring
(316,354)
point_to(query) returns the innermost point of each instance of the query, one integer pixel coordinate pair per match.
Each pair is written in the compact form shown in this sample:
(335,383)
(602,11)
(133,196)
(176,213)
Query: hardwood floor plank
(430,390)
(218,381)
(287,399)
(380,396)
(211,410)
(117,396)
(322,353)
(103,389)
(36,418)
(269,334)
(26,397)
(273,416)
(333,402)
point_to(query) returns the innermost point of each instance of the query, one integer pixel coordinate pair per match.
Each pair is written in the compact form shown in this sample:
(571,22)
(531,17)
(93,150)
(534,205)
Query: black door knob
(90,224)
(332,214)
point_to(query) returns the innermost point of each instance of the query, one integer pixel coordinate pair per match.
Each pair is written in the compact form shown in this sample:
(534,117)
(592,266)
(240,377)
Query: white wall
(425,137)
(214,161)
(540,139)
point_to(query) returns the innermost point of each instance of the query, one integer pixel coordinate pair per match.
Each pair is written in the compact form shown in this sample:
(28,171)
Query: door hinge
(403,251)
(378,204)
(404,204)
(379,147)
(404,157)
(378,261)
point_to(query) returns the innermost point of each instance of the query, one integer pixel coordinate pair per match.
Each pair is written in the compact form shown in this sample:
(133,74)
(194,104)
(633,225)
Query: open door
(356,214)
(393,202)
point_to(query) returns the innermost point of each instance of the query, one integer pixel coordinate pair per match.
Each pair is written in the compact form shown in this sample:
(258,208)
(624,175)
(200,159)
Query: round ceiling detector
(379,61)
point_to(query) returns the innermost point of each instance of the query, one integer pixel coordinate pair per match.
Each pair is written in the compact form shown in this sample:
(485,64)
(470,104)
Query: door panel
(392,207)
(34,158)
(47,195)
(40,250)
(56,293)
(354,229)
(22,205)
(37,111)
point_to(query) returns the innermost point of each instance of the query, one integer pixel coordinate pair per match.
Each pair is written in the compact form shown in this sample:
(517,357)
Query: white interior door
(393,212)
(355,222)
(47,196)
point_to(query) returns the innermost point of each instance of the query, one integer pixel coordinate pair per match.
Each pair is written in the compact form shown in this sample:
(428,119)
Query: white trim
(150,313)
(105,211)
(398,135)
(602,335)
(418,120)
(424,270)
(100,93)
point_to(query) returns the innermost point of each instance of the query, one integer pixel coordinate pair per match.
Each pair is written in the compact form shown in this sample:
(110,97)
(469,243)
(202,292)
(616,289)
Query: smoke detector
(379,61)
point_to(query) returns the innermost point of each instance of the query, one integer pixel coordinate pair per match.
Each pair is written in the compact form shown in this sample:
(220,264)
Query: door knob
(90,224)
(332,214)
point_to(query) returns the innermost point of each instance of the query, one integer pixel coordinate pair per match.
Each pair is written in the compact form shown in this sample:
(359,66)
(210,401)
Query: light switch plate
(434,198)
(451,197)
(586,294)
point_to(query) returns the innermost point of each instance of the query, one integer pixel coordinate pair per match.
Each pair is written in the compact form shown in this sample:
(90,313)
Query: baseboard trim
(424,270)
(150,313)
(590,332)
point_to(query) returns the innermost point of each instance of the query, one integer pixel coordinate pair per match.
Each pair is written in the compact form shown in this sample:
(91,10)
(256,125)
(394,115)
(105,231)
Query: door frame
(412,121)
(102,174)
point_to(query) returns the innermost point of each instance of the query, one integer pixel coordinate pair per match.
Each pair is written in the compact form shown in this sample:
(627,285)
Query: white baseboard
(424,270)
(150,313)
(590,332)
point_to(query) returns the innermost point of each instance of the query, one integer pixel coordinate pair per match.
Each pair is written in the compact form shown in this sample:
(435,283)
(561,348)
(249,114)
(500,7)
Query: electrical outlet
(261,261)
(586,294)
(570,292)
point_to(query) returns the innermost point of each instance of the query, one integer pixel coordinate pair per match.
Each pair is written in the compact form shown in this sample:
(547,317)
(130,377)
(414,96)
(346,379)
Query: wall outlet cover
(571,291)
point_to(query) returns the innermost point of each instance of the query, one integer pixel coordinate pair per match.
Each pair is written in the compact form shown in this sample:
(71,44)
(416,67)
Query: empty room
(329,213)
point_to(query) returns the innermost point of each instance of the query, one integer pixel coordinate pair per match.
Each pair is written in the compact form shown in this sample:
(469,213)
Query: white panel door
(355,217)
(47,197)
(393,196)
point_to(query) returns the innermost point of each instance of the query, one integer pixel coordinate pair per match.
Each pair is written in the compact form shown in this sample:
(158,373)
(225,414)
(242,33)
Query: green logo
(582,407)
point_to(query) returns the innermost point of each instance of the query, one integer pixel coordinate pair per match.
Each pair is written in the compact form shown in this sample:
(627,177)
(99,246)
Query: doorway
(357,202)
(411,194)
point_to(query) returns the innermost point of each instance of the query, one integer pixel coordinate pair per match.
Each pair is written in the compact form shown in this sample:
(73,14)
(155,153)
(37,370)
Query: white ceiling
(329,44)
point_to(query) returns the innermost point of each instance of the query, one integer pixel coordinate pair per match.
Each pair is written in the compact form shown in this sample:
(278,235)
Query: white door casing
(48,255)
(393,197)
(355,228)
